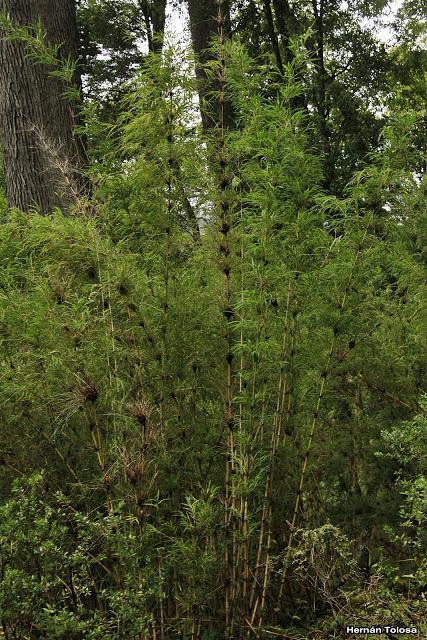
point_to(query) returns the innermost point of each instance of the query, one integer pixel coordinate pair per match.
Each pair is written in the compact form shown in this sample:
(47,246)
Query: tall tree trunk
(204,27)
(287,25)
(282,25)
(272,34)
(42,156)
(154,13)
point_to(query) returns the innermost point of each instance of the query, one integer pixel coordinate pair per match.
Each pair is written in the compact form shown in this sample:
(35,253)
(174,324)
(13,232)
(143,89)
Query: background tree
(114,39)
(42,155)
(204,26)
(344,80)
(155,17)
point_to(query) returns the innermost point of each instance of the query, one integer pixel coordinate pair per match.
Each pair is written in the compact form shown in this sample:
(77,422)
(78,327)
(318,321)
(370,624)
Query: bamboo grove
(213,421)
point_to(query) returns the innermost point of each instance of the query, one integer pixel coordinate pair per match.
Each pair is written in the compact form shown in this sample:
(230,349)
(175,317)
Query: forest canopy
(213,309)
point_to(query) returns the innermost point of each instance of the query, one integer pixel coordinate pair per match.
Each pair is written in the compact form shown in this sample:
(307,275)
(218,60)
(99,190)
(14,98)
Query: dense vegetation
(213,363)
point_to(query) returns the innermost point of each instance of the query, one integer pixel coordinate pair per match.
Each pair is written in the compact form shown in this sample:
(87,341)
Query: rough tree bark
(204,26)
(42,157)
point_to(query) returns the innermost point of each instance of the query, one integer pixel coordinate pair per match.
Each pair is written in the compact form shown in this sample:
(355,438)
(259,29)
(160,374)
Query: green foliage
(67,574)
(111,34)
(324,566)
(196,378)
(406,445)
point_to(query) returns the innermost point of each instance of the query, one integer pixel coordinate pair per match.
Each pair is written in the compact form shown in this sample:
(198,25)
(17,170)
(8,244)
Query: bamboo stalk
(169,208)
(266,517)
(162,617)
(304,467)
(322,387)
(230,497)
(244,506)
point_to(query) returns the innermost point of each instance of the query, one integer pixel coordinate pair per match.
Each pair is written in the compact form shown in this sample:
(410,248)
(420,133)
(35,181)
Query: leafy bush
(68,574)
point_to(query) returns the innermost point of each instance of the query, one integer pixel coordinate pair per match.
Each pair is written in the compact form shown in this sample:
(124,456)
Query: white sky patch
(382,26)
(177,28)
